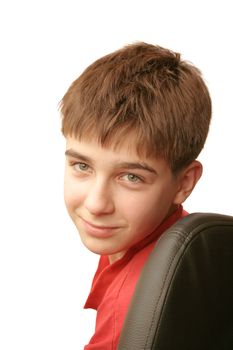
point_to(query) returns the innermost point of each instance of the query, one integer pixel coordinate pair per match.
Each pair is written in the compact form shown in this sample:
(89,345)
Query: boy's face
(116,198)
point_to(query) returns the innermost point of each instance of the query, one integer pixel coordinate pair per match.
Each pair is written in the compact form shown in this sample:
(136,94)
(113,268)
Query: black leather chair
(184,298)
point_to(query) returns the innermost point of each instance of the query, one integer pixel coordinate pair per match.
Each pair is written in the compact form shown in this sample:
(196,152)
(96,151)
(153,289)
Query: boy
(135,122)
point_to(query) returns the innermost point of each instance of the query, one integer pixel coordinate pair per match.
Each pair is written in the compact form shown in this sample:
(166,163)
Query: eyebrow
(125,165)
(74,154)
(142,166)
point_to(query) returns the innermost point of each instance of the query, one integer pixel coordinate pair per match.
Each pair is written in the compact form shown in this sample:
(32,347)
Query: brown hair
(146,89)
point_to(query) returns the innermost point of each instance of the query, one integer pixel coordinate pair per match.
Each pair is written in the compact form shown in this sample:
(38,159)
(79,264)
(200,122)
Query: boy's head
(134,121)
(143,90)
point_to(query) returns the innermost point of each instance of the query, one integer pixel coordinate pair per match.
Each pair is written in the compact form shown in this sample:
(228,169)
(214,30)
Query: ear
(187,180)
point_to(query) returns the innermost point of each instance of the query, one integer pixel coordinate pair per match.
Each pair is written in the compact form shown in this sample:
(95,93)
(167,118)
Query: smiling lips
(99,231)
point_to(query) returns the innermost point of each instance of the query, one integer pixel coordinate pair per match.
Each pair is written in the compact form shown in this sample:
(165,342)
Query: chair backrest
(184,297)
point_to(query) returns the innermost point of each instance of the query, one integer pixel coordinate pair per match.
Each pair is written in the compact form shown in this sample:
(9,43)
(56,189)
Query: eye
(80,166)
(133,178)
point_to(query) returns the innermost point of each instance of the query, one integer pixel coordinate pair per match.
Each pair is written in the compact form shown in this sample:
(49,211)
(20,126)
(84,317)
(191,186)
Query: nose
(99,199)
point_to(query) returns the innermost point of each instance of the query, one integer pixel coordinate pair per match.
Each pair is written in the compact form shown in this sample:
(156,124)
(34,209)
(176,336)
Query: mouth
(100,231)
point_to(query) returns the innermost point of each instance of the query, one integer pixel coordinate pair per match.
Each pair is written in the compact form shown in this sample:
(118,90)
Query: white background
(45,273)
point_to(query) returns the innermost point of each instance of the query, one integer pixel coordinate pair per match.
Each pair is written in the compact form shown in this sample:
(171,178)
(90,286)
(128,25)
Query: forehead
(112,155)
(121,141)
(126,148)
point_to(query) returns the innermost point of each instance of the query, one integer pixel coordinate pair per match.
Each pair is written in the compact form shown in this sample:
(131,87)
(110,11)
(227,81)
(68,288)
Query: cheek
(72,194)
(148,216)
(141,210)
(146,212)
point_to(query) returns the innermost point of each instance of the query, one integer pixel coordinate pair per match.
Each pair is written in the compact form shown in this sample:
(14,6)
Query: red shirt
(113,287)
